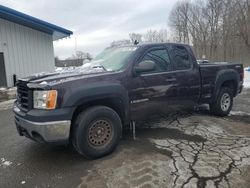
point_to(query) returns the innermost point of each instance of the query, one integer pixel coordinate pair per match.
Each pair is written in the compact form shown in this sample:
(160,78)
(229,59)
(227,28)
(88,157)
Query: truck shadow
(143,143)
(40,153)
(58,154)
(167,133)
(158,128)
(234,116)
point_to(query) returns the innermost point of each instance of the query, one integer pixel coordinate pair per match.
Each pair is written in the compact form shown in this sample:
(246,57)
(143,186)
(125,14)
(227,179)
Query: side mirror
(145,66)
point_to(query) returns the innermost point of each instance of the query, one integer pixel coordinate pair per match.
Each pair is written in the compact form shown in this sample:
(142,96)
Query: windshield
(113,59)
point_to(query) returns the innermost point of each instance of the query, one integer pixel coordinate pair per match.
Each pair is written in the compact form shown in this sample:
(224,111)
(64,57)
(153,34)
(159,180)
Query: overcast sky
(96,23)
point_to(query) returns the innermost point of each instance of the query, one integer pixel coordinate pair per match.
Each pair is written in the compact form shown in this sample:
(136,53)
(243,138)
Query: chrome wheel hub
(225,102)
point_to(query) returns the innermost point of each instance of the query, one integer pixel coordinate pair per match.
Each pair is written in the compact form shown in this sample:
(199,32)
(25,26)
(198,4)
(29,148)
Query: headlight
(44,99)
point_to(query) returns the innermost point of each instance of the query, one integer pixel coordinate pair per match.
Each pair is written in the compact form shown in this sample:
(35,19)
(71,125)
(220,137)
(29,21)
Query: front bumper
(43,132)
(54,131)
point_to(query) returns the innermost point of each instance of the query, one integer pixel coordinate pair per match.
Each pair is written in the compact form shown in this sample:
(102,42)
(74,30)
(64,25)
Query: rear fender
(224,76)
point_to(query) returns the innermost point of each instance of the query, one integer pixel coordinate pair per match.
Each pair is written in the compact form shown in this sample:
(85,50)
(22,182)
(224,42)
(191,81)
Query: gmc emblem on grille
(19,96)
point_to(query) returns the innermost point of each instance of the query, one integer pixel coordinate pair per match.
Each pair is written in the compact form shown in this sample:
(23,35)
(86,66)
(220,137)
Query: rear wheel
(96,131)
(223,102)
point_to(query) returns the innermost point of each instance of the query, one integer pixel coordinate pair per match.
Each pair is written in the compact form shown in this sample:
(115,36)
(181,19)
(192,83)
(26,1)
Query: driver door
(151,90)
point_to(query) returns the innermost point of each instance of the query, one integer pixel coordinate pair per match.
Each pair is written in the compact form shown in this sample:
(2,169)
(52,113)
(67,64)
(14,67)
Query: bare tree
(243,20)
(163,35)
(81,55)
(179,20)
(218,29)
(120,43)
(156,36)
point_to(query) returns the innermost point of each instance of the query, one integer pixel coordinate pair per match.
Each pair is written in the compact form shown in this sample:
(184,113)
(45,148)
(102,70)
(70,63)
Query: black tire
(88,124)
(217,108)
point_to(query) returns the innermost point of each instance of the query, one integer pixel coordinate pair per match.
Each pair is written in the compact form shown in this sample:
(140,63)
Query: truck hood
(40,80)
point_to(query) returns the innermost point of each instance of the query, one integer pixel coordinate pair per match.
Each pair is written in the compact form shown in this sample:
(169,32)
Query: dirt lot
(190,149)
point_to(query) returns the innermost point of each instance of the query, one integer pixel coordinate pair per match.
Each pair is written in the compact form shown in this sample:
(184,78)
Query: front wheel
(96,132)
(223,102)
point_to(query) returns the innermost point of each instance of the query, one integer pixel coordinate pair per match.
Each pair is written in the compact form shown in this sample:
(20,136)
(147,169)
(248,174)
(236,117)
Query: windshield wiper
(100,66)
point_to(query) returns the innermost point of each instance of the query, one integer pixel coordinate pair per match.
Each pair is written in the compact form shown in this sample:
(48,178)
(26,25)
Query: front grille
(24,96)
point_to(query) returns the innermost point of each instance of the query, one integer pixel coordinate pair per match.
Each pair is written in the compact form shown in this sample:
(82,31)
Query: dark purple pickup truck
(91,105)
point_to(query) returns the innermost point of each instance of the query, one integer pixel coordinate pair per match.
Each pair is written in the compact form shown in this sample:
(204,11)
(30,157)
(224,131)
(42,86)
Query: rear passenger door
(187,75)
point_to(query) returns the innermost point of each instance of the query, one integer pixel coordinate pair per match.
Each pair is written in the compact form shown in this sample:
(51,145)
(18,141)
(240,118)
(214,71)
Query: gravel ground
(190,149)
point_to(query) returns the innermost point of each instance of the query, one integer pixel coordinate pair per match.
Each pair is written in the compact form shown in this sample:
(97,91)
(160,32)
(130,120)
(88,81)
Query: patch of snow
(5,163)
(246,79)
(239,113)
(39,74)
(12,89)
(247,68)
(86,65)
(66,69)
(44,83)
(95,66)
(7,104)
(3,88)
(58,69)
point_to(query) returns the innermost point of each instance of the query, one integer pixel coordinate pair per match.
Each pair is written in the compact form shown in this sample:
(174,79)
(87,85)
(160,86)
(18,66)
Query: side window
(181,58)
(161,59)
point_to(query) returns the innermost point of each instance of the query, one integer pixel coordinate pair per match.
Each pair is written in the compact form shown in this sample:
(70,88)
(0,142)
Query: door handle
(170,79)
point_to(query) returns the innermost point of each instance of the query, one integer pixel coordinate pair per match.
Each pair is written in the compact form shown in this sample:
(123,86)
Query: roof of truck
(149,44)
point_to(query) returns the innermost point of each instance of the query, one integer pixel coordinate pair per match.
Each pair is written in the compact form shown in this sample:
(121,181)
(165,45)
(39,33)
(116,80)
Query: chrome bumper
(54,131)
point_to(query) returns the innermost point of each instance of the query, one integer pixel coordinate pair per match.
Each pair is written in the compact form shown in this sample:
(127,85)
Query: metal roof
(34,23)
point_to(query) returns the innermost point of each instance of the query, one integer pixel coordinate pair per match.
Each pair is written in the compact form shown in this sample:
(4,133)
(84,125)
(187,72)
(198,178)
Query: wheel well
(115,103)
(231,84)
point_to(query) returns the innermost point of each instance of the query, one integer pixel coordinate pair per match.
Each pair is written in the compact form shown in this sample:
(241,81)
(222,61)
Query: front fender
(89,92)
(75,97)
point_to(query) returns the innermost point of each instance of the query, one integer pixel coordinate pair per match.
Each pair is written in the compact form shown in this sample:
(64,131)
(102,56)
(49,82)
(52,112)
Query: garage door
(2,71)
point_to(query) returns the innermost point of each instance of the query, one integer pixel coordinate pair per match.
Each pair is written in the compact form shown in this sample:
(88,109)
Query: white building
(26,45)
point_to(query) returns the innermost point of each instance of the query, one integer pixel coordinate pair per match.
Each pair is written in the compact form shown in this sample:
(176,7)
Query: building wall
(26,51)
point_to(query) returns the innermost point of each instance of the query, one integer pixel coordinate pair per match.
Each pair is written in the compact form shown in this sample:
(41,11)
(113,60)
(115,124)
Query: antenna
(75,45)
(136,42)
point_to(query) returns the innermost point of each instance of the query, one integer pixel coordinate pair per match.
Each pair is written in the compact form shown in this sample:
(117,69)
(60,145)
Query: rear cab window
(180,58)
